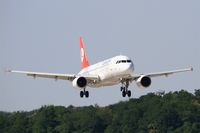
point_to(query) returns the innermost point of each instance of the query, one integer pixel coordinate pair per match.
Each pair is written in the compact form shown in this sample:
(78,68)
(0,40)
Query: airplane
(113,71)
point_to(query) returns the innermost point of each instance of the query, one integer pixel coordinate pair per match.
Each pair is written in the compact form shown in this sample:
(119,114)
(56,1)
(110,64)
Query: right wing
(167,73)
(164,73)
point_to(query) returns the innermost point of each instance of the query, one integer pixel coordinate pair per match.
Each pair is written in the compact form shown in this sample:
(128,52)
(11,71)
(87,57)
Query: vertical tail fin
(84,60)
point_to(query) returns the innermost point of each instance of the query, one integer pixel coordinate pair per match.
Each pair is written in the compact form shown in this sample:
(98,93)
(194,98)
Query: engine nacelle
(79,82)
(143,81)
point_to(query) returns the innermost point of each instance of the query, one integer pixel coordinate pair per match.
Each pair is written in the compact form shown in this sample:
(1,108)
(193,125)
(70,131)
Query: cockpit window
(123,61)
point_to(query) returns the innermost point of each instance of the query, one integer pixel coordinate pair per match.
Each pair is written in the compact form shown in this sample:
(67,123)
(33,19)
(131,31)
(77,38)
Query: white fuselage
(110,71)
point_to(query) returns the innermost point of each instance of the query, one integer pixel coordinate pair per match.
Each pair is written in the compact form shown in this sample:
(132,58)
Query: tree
(173,112)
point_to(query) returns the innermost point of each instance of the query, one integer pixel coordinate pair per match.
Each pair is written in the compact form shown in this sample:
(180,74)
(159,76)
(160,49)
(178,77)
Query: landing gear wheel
(84,93)
(123,93)
(81,94)
(129,93)
(124,88)
(87,94)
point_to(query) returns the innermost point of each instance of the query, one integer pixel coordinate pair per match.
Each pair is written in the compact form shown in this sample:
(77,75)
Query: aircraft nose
(129,67)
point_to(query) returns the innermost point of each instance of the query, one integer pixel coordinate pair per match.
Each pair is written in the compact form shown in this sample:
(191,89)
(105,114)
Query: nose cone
(128,68)
(131,67)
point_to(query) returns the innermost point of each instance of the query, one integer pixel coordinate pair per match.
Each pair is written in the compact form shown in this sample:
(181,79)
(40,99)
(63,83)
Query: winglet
(6,71)
(84,60)
(191,68)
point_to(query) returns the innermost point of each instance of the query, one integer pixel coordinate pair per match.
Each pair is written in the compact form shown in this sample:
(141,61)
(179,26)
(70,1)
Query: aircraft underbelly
(108,77)
(110,82)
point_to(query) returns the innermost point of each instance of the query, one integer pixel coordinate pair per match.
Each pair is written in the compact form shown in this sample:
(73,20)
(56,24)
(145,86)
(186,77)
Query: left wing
(165,73)
(56,76)
(70,77)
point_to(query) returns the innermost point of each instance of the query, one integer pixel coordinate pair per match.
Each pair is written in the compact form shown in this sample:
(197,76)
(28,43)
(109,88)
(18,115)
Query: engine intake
(79,82)
(144,81)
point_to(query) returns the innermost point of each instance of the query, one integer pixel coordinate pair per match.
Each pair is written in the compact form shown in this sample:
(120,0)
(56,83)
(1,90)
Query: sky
(43,36)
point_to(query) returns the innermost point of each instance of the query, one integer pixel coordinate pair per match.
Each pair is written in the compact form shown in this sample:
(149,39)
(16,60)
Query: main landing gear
(124,89)
(82,93)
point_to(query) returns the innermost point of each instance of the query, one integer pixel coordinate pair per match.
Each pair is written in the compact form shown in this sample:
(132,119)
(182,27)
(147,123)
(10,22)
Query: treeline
(177,112)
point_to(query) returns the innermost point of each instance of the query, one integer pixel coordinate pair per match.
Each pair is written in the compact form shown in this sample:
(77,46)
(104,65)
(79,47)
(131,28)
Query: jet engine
(79,82)
(143,81)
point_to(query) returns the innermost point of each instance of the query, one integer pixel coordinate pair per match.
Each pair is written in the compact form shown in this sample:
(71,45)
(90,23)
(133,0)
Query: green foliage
(177,112)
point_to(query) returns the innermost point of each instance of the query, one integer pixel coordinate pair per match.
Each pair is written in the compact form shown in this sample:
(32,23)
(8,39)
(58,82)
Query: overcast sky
(43,35)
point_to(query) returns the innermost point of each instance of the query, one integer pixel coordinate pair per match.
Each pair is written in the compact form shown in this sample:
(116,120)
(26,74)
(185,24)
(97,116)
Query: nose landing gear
(124,89)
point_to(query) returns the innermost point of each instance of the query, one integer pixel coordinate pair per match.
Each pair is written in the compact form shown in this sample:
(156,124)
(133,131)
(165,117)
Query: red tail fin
(84,60)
